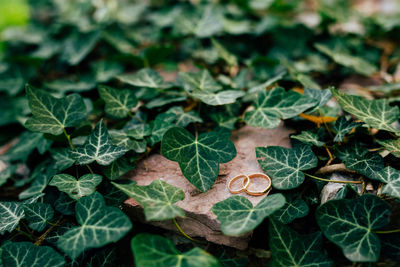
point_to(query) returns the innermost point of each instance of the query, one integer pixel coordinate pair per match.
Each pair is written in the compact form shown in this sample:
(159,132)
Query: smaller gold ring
(246,182)
(259,175)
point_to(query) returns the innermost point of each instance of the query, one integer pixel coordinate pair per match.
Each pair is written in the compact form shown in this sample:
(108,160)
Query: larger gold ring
(245,184)
(262,176)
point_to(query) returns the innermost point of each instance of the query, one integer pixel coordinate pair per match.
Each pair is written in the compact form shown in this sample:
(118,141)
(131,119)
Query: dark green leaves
(294,208)
(11,213)
(288,248)
(391,177)
(38,215)
(27,254)
(98,147)
(99,225)
(349,223)
(198,157)
(52,115)
(238,216)
(284,165)
(276,104)
(76,189)
(158,199)
(376,113)
(143,78)
(342,127)
(156,251)
(118,102)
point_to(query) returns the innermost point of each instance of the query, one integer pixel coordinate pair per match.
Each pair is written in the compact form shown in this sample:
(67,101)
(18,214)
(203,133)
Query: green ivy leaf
(342,127)
(308,137)
(38,215)
(76,189)
(118,168)
(288,248)
(182,118)
(359,159)
(98,147)
(138,131)
(158,199)
(99,225)
(118,102)
(62,158)
(143,78)
(156,251)
(349,223)
(52,115)
(27,143)
(376,113)
(284,165)
(27,254)
(393,146)
(11,213)
(391,177)
(294,208)
(223,53)
(323,96)
(78,45)
(276,104)
(238,216)
(121,138)
(198,157)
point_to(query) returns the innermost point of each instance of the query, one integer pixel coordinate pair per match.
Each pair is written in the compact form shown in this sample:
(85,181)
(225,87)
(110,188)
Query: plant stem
(69,140)
(182,232)
(41,238)
(31,237)
(333,181)
(387,232)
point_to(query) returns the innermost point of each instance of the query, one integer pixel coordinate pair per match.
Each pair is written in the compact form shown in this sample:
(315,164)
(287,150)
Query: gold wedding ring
(245,183)
(262,176)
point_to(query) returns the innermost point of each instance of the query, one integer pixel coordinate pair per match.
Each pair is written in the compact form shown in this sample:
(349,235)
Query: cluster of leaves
(92,87)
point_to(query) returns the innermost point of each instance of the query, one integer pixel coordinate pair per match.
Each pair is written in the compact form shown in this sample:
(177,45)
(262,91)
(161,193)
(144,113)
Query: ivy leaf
(143,78)
(183,118)
(11,213)
(138,131)
(376,113)
(323,96)
(288,248)
(359,159)
(78,45)
(276,104)
(391,177)
(393,146)
(40,182)
(118,102)
(98,147)
(198,157)
(62,158)
(294,208)
(220,98)
(27,254)
(64,204)
(99,225)
(76,189)
(121,138)
(52,115)
(238,216)
(38,215)
(342,127)
(284,165)
(350,224)
(118,168)
(308,137)
(158,199)
(156,251)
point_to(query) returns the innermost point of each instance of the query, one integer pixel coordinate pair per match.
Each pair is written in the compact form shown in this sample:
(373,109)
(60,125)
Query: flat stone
(199,220)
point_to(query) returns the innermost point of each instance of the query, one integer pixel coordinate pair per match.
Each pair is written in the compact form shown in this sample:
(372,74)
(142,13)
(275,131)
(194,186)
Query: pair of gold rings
(246,182)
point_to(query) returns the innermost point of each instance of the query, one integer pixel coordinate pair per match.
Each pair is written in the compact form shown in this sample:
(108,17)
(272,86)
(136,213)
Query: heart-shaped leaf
(143,78)
(376,113)
(38,215)
(238,216)
(294,208)
(98,147)
(99,225)
(156,251)
(183,118)
(391,177)
(359,159)
(10,213)
(284,165)
(308,137)
(350,224)
(52,115)
(198,157)
(76,189)
(158,199)
(393,146)
(342,127)
(276,104)
(288,248)
(118,102)
(323,96)
(62,158)
(27,254)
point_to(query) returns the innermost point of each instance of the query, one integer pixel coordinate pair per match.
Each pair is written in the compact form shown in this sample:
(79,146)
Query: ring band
(246,183)
(258,175)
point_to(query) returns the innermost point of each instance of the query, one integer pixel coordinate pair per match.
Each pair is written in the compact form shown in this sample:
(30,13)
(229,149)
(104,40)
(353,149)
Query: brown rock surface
(199,220)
